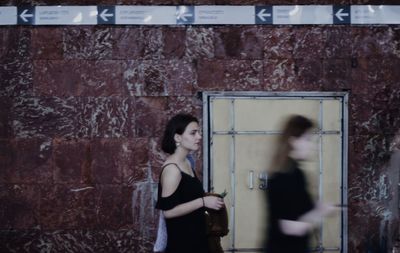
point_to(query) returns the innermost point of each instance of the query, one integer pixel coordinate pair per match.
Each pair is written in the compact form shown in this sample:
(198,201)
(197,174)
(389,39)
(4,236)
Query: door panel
(242,138)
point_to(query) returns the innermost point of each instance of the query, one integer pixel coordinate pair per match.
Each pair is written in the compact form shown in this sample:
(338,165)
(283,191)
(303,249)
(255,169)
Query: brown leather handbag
(217,226)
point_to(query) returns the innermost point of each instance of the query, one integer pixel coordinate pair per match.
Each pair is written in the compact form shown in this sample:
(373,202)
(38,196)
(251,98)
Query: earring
(177,144)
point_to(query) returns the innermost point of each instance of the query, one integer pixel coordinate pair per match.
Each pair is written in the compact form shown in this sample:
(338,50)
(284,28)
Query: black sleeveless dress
(187,233)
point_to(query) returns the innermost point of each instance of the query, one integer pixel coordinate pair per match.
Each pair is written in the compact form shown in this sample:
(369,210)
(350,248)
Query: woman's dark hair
(295,126)
(176,125)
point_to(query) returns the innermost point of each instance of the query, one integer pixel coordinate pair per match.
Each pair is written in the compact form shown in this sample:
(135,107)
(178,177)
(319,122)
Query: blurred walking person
(292,212)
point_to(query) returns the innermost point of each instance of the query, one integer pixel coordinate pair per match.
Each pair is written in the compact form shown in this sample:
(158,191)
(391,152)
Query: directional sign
(341,14)
(375,14)
(201,15)
(263,15)
(302,14)
(66,15)
(145,15)
(184,14)
(105,15)
(224,15)
(26,15)
(8,15)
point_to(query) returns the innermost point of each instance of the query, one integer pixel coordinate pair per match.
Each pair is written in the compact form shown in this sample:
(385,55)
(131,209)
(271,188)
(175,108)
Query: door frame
(207,97)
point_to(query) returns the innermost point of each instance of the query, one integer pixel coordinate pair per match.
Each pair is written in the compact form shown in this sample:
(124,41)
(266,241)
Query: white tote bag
(161,241)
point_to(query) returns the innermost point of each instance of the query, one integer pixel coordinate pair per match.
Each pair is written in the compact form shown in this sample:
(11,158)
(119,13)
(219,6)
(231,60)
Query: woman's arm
(170,179)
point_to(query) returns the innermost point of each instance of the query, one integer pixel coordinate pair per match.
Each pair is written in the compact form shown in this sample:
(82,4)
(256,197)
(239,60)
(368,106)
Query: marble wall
(82,110)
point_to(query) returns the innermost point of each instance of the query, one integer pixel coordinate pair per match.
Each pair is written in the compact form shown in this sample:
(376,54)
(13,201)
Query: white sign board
(224,15)
(375,14)
(8,15)
(145,15)
(302,14)
(66,15)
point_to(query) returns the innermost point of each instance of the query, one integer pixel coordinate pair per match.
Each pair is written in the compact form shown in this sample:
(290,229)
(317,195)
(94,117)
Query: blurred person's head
(181,131)
(295,142)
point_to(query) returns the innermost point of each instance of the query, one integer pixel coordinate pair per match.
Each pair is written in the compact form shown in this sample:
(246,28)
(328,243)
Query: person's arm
(307,221)
(170,179)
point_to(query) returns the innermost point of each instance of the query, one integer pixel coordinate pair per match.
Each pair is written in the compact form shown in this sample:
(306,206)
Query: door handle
(251,180)
(263,177)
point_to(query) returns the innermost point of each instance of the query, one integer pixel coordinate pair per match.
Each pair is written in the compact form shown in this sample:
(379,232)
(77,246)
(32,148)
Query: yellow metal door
(240,139)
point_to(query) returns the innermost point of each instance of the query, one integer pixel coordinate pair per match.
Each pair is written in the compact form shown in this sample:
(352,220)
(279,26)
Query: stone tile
(106,117)
(87,42)
(278,42)
(6,130)
(309,42)
(230,75)
(174,45)
(32,161)
(19,204)
(337,74)
(45,117)
(309,74)
(15,62)
(47,43)
(279,74)
(238,43)
(79,78)
(150,116)
(376,42)
(199,43)
(338,42)
(72,162)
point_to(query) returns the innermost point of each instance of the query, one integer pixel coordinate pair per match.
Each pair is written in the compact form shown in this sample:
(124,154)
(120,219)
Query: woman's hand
(213,202)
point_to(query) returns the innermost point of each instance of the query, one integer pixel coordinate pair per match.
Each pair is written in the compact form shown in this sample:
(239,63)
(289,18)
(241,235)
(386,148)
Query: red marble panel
(278,42)
(87,42)
(72,162)
(82,240)
(47,43)
(376,42)
(113,207)
(238,43)
(309,42)
(108,160)
(199,42)
(174,42)
(15,62)
(5,117)
(309,74)
(67,207)
(150,116)
(106,117)
(78,78)
(337,74)
(45,117)
(19,206)
(7,160)
(372,74)
(279,74)
(134,160)
(185,104)
(339,42)
(230,75)
(156,156)
(136,43)
(32,161)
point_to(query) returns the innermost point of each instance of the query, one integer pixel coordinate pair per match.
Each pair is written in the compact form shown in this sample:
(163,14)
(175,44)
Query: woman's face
(190,139)
(302,147)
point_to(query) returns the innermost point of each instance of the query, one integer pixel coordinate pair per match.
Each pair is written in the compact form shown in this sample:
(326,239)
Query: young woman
(292,213)
(180,192)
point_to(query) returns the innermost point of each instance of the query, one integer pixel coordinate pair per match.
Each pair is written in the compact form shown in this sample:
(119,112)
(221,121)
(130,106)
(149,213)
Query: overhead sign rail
(201,15)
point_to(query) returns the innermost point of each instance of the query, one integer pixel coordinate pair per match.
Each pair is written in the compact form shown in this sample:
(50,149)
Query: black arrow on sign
(26,15)
(105,15)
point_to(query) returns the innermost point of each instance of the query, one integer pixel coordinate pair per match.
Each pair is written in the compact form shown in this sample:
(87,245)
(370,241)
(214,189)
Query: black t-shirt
(187,233)
(288,199)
